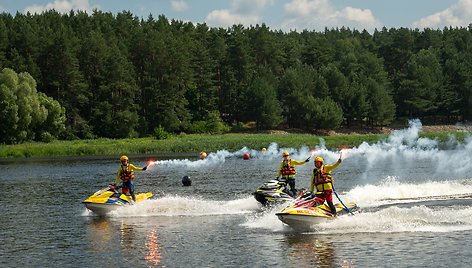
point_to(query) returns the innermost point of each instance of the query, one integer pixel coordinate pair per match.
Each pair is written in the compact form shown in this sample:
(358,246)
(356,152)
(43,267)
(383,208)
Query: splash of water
(395,219)
(187,206)
(391,191)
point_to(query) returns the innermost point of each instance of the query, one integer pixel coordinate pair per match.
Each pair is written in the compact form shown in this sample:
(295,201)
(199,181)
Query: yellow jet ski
(304,213)
(109,199)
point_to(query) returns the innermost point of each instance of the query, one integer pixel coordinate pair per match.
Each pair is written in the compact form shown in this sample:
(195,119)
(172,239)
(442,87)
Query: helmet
(285,154)
(319,159)
(123,158)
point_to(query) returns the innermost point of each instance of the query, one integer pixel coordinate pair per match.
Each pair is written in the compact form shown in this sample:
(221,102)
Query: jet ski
(273,192)
(109,199)
(304,213)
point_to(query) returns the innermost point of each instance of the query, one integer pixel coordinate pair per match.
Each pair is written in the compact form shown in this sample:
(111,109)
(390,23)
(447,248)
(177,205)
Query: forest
(84,76)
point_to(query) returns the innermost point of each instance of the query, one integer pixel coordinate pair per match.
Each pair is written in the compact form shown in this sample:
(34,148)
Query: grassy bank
(193,143)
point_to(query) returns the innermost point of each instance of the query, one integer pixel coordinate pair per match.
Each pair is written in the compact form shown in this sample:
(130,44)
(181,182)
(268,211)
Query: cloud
(179,5)
(318,14)
(457,15)
(244,12)
(225,18)
(62,6)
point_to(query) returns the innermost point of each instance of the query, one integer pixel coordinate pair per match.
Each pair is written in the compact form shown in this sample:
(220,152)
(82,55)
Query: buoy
(203,155)
(246,156)
(186,181)
(264,150)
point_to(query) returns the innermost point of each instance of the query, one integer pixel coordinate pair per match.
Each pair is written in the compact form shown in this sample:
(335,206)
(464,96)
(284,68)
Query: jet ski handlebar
(114,187)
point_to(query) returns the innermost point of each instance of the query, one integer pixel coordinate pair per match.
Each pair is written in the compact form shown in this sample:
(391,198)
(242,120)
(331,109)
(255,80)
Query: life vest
(320,177)
(126,174)
(287,169)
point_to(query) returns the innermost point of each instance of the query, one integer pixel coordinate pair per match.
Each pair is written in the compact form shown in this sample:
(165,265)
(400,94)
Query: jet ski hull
(274,197)
(273,192)
(301,220)
(101,209)
(108,199)
(307,217)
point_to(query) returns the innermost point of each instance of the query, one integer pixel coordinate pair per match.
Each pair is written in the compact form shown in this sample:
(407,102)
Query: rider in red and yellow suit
(126,175)
(322,179)
(287,170)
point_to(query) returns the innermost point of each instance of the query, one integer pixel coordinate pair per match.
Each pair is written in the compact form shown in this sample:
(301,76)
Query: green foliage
(25,112)
(326,114)
(422,84)
(161,134)
(213,124)
(54,124)
(122,76)
(191,144)
(296,89)
(261,104)
(198,127)
(46,137)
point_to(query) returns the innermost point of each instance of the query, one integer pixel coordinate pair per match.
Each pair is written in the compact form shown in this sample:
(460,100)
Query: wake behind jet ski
(272,192)
(109,199)
(304,212)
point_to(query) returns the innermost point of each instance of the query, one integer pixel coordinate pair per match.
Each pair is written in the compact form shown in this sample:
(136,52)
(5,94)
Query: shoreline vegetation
(191,144)
(105,75)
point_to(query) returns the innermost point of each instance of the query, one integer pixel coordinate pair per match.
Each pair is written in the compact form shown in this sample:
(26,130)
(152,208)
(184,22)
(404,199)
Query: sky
(285,15)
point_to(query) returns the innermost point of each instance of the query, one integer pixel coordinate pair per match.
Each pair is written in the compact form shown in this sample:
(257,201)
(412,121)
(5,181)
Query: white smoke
(403,153)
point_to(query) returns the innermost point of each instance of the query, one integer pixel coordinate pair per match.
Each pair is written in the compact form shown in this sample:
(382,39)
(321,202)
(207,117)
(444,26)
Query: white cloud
(249,6)
(225,18)
(459,14)
(62,6)
(179,5)
(318,14)
(245,12)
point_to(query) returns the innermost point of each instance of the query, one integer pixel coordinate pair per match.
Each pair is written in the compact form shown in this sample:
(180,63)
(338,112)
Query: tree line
(117,76)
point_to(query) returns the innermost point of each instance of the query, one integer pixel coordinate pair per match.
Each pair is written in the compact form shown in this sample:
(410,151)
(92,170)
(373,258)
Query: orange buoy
(203,155)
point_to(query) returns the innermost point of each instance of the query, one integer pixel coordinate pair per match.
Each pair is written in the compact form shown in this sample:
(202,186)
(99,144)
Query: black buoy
(186,181)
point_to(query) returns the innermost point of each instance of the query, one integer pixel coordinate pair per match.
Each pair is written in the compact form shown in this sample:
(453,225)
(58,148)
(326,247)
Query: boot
(332,208)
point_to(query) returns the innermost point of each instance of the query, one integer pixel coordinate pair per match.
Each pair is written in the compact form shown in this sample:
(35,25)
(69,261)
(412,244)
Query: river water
(416,201)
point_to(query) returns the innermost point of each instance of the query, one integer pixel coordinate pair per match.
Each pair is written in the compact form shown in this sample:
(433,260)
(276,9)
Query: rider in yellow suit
(287,170)
(321,179)
(126,175)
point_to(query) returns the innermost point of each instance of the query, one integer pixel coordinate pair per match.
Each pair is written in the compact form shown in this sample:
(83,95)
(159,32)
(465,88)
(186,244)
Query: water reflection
(100,233)
(127,239)
(153,256)
(310,251)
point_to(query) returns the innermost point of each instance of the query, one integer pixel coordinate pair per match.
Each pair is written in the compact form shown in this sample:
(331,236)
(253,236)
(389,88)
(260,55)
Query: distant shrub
(47,137)
(213,125)
(161,134)
(198,127)
(216,124)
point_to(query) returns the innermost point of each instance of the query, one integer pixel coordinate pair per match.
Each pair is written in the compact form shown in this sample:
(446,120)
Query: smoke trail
(403,154)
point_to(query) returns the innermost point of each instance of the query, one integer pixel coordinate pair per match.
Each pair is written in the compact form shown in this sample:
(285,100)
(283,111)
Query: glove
(144,168)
